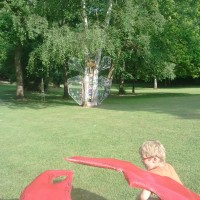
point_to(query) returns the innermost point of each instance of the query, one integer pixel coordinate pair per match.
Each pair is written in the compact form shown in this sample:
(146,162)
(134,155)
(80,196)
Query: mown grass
(36,136)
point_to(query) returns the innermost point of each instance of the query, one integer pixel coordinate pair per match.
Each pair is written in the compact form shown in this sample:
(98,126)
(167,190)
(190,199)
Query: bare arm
(143,195)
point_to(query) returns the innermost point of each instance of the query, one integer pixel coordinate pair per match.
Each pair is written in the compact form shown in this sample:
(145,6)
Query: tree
(181,36)
(158,40)
(5,54)
(53,54)
(19,25)
(60,39)
(94,42)
(136,23)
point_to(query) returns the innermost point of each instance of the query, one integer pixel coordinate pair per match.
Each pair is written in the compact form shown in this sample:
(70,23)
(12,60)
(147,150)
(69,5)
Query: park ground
(37,136)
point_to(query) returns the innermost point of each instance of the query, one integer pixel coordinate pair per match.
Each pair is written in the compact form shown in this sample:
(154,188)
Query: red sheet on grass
(164,187)
(44,186)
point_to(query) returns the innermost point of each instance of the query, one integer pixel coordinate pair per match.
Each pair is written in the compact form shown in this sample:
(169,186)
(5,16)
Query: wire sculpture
(89,88)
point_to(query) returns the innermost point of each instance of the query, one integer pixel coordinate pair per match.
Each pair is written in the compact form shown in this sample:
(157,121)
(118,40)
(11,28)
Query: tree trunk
(155,83)
(133,86)
(66,94)
(165,82)
(85,20)
(19,74)
(134,75)
(121,82)
(110,73)
(108,15)
(121,87)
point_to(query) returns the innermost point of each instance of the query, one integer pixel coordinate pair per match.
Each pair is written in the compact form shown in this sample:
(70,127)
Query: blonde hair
(153,148)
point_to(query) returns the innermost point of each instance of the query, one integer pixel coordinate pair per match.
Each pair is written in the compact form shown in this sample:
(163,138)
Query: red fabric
(164,187)
(42,187)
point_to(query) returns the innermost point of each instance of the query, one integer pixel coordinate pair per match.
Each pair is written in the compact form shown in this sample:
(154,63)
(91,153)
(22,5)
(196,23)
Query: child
(153,156)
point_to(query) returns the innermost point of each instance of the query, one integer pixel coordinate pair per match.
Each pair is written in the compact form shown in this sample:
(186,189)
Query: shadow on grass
(180,104)
(33,100)
(80,194)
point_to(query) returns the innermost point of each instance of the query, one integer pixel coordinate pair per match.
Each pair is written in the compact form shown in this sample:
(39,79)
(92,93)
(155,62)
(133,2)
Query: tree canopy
(146,40)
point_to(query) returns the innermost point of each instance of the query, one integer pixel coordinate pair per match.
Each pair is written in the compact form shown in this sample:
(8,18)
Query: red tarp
(164,187)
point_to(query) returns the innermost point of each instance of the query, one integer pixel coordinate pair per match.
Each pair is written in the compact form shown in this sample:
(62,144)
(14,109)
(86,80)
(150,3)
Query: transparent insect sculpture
(89,89)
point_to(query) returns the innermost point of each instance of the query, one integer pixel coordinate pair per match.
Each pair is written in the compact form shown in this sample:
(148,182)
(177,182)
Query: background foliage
(146,40)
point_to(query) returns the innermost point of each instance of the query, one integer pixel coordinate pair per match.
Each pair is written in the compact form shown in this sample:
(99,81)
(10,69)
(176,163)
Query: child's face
(149,162)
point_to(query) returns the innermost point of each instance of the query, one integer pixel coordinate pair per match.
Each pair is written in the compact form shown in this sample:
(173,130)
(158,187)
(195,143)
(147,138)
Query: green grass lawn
(36,136)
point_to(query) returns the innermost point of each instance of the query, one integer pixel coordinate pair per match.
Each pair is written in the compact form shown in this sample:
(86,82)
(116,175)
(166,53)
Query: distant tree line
(147,40)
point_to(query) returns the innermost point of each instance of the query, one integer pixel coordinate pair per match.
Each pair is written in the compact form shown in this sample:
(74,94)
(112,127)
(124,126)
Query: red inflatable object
(164,187)
(49,186)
